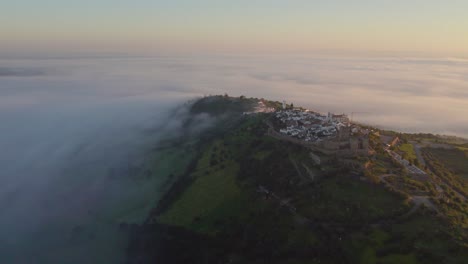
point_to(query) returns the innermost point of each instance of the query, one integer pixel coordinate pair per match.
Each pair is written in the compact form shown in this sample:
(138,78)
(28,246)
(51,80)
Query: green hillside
(250,198)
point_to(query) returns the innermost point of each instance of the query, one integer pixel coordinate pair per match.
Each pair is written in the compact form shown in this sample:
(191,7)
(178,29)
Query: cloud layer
(410,94)
(20,72)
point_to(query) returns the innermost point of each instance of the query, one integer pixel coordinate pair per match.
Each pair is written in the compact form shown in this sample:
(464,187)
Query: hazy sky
(420,26)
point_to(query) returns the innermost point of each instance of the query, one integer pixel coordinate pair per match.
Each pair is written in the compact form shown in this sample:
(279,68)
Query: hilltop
(273,183)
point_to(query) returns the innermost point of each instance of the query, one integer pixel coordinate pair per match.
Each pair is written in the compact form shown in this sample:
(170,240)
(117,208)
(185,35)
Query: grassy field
(345,199)
(408,152)
(261,155)
(454,159)
(451,165)
(419,239)
(214,188)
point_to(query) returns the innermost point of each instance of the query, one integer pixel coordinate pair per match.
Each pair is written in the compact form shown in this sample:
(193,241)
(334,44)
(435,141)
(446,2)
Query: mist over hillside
(64,124)
(411,94)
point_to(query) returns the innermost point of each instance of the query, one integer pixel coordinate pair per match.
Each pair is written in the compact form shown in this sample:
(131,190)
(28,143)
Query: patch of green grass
(429,237)
(400,244)
(232,206)
(408,151)
(344,199)
(213,189)
(417,225)
(261,155)
(205,195)
(454,159)
(379,237)
(204,161)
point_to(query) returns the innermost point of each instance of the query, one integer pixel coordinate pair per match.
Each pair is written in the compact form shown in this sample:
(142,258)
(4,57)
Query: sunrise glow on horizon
(242,26)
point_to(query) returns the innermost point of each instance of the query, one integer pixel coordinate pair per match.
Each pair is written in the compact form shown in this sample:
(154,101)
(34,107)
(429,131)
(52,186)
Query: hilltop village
(330,134)
(310,126)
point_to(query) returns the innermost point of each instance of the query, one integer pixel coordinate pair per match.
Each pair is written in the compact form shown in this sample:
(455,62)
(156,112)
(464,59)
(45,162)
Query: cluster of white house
(310,126)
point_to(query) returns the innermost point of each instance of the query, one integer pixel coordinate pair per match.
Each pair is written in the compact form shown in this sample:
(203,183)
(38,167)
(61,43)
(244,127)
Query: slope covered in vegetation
(250,198)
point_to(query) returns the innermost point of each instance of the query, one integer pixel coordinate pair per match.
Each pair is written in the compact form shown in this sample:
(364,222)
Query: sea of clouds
(60,114)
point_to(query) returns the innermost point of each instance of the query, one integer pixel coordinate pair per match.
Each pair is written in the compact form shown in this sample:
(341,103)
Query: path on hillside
(417,150)
(418,201)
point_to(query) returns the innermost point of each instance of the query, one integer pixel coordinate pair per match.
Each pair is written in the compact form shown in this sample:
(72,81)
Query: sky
(243,26)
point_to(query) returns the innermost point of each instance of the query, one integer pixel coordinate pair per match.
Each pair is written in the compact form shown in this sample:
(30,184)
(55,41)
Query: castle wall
(346,148)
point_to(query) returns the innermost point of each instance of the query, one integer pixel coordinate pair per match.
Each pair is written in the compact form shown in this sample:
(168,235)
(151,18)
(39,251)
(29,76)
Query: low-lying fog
(65,122)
